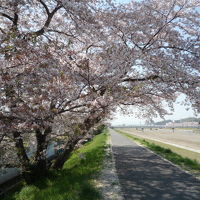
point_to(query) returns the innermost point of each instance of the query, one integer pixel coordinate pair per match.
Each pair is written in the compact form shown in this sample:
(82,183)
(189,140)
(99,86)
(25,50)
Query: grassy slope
(75,180)
(188,164)
(183,152)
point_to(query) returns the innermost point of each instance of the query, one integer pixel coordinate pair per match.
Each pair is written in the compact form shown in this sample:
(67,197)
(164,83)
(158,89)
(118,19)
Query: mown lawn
(75,181)
(188,164)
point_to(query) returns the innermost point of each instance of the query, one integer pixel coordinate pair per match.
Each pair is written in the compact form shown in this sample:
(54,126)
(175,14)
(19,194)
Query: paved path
(145,176)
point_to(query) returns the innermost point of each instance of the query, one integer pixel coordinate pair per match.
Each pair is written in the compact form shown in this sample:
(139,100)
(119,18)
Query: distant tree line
(189,119)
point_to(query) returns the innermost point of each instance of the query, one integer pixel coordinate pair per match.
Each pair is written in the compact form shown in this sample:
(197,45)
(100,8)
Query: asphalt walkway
(145,176)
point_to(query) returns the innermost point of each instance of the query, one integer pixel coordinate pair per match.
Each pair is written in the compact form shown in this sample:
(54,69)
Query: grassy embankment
(186,163)
(183,152)
(75,181)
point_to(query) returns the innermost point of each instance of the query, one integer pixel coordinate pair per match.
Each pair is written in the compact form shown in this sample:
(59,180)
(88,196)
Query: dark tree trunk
(69,147)
(21,153)
(40,158)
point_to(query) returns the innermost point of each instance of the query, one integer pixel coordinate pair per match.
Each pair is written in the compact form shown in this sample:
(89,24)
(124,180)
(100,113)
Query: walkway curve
(145,176)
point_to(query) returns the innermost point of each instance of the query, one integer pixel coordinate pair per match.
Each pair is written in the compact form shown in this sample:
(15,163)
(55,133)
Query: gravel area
(108,182)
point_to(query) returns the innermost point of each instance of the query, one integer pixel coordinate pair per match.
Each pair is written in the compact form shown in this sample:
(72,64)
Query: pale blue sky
(180,112)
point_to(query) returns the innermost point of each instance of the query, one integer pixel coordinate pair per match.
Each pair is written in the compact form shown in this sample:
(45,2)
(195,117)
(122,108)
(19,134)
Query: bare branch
(2,31)
(15,21)
(152,77)
(48,21)
(45,6)
(60,32)
(7,16)
(72,108)
(161,28)
(135,43)
(157,32)
(178,48)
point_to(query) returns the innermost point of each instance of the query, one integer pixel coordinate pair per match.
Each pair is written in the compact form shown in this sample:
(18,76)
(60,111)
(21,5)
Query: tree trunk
(31,171)
(21,153)
(69,147)
(40,167)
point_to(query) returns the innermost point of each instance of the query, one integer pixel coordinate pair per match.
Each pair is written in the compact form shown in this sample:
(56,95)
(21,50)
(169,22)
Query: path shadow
(145,176)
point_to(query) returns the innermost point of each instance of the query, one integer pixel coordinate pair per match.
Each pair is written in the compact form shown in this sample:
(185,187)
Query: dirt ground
(189,138)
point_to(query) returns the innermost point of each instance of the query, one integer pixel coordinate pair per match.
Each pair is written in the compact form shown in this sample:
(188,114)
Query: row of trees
(67,65)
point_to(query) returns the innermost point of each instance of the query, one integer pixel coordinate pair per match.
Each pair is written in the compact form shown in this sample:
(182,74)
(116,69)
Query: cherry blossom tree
(42,76)
(66,65)
(161,39)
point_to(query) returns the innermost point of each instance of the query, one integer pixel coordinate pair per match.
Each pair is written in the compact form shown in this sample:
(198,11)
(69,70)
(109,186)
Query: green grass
(75,181)
(183,152)
(184,162)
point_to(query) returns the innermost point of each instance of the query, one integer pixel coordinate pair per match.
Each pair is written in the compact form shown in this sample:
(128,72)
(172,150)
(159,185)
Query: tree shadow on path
(145,176)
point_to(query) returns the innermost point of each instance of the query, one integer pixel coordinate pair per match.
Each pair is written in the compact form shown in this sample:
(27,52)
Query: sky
(180,112)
